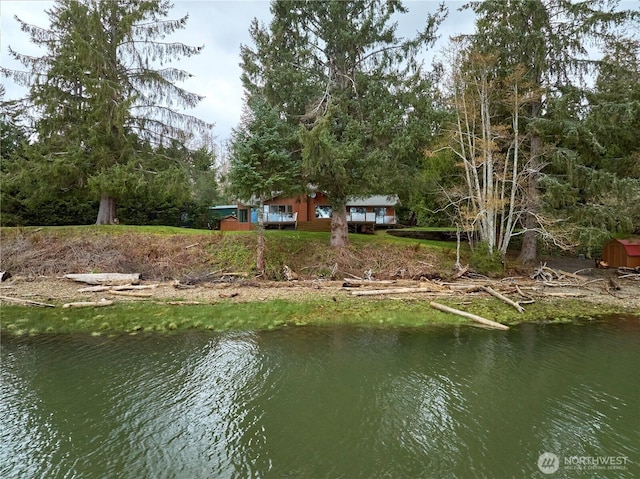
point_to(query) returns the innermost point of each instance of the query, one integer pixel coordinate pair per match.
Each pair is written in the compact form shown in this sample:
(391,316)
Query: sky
(221,26)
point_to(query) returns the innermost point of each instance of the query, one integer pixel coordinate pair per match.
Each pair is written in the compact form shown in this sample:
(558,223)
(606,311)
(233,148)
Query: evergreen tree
(338,69)
(101,90)
(548,39)
(261,164)
(593,178)
(13,137)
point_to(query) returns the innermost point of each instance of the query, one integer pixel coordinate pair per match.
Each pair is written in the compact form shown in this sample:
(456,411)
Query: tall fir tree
(593,177)
(339,71)
(261,163)
(549,39)
(101,90)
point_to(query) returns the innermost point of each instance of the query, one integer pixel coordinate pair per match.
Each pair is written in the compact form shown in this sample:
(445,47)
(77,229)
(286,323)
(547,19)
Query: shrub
(485,262)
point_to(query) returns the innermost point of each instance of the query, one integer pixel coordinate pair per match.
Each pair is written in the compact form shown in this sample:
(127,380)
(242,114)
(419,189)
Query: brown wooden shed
(619,252)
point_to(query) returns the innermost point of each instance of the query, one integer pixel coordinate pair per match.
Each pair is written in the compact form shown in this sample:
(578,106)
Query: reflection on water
(439,402)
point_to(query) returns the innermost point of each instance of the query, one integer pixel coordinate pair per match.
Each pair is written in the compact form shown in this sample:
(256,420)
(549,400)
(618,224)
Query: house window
(380,212)
(357,213)
(280,209)
(323,211)
(278,212)
(243,216)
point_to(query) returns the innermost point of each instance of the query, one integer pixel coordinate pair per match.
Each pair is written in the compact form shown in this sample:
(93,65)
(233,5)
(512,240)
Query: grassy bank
(161,253)
(161,317)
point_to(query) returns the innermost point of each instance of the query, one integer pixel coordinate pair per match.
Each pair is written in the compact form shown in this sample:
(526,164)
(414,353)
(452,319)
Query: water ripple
(319,403)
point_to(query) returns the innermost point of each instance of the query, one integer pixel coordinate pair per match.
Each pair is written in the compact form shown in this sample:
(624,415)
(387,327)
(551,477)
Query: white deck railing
(371,218)
(280,217)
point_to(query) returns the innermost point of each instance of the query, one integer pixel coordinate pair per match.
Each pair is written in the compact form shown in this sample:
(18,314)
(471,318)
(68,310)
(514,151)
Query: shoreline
(268,305)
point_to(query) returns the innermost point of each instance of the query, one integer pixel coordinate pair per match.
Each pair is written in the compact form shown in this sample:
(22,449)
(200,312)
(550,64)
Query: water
(324,403)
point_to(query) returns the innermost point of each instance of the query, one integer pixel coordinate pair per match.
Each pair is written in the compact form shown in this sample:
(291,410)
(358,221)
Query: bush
(484,262)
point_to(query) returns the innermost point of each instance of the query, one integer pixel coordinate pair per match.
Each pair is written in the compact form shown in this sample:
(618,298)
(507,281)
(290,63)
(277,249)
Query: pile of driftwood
(117,284)
(440,288)
(628,273)
(113,283)
(553,277)
(189,281)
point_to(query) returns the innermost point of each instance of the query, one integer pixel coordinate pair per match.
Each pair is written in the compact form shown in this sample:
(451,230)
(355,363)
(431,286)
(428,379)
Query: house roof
(376,200)
(632,246)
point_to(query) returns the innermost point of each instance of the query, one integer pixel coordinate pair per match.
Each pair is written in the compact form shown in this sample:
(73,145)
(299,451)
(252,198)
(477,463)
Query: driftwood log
(131,294)
(124,287)
(27,302)
(573,275)
(88,304)
(624,272)
(105,278)
(502,297)
(354,283)
(374,292)
(464,314)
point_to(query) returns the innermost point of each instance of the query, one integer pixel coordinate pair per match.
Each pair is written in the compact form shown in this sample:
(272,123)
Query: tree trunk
(107,210)
(339,227)
(529,250)
(260,264)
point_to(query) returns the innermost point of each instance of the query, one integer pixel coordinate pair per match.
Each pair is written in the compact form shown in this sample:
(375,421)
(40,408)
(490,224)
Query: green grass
(71,231)
(139,317)
(430,228)
(442,245)
(380,236)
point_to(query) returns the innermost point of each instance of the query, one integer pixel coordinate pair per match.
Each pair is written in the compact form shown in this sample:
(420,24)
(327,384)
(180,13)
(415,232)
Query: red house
(312,213)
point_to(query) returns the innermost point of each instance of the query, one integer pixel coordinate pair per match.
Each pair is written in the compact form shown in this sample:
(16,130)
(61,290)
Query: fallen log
(130,294)
(502,297)
(135,287)
(543,273)
(565,295)
(94,289)
(465,288)
(88,304)
(27,302)
(573,275)
(354,277)
(350,283)
(464,314)
(558,284)
(624,272)
(374,292)
(461,272)
(105,278)
(124,287)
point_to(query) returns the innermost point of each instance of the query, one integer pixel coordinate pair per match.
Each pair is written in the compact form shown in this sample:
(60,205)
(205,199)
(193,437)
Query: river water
(325,403)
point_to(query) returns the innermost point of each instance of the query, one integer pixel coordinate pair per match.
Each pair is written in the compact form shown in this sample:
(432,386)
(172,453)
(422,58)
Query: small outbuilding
(622,252)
